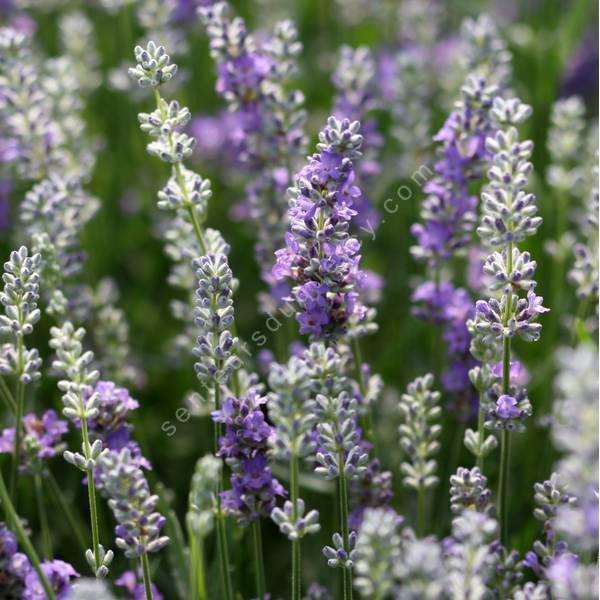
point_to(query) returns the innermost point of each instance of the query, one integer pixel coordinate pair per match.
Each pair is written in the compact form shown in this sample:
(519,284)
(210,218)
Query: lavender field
(299,300)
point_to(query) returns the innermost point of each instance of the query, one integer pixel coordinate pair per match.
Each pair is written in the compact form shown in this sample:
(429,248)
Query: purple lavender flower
(13,566)
(135,588)
(245,447)
(59,575)
(42,440)
(320,256)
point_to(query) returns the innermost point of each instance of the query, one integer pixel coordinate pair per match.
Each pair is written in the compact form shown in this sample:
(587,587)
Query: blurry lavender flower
(469,491)
(471,559)
(485,53)
(575,434)
(90,589)
(214,315)
(77,41)
(354,81)
(59,575)
(372,490)
(201,501)
(253,76)
(245,448)
(565,135)
(317,592)
(377,553)
(549,496)
(19,299)
(419,432)
(13,565)
(320,255)
(421,571)
(135,588)
(42,439)
(54,213)
(570,580)
(531,591)
(584,273)
(138,529)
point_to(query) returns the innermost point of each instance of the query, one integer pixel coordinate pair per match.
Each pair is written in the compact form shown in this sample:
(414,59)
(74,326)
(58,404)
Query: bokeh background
(555,53)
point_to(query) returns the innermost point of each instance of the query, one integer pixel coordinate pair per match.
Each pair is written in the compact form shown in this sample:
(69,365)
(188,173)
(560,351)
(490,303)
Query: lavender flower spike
(320,256)
(139,525)
(418,438)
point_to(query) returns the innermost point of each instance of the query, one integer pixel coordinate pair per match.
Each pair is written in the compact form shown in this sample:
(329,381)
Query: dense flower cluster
(139,525)
(245,448)
(321,257)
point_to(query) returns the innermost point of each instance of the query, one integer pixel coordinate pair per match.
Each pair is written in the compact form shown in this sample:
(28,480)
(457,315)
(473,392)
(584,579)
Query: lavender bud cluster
(139,525)
(419,432)
(19,297)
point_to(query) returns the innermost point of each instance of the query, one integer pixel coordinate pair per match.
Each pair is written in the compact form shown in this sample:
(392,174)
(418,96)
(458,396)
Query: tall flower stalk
(75,366)
(508,218)
(19,298)
(339,457)
(293,442)
(187,194)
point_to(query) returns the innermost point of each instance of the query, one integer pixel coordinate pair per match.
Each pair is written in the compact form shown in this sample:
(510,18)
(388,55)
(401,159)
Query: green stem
(39,495)
(347,573)
(197,576)
(503,486)
(146,575)
(222,549)
(13,518)
(421,511)
(7,397)
(66,510)
(259,563)
(14,480)
(296,556)
(91,496)
(481,432)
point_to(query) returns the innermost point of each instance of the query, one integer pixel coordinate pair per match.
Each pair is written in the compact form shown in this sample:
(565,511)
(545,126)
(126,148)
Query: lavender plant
(73,363)
(139,525)
(418,439)
(509,217)
(19,298)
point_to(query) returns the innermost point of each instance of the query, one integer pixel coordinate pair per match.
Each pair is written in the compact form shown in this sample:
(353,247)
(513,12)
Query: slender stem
(259,563)
(222,549)
(146,575)
(13,518)
(197,576)
(421,498)
(347,573)
(14,480)
(39,495)
(66,510)
(7,396)
(91,497)
(503,486)
(296,556)
(481,432)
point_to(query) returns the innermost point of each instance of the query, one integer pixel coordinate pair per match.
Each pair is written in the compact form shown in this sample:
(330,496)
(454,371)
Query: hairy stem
(7,397)
(481,432)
